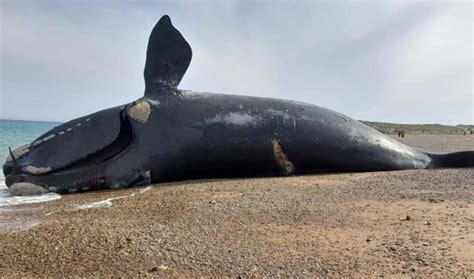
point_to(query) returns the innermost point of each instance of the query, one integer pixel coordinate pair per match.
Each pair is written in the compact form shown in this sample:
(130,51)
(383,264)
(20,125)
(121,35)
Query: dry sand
(399,224)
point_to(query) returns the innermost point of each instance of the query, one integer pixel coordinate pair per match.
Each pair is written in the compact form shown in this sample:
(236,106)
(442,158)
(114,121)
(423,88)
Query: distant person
(399,133)
(403,133)
(466,132)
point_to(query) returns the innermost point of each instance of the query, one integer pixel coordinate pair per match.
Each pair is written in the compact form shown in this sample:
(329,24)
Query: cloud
(390,61)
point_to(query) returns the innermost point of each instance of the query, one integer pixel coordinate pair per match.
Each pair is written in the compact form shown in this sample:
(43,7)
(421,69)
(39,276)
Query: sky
(402,62)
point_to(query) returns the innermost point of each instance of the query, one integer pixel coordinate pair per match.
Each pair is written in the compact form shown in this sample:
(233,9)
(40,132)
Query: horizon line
(397,123)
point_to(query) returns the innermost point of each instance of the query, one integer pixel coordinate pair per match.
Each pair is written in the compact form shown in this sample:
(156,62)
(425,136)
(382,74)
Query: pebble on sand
(26,189)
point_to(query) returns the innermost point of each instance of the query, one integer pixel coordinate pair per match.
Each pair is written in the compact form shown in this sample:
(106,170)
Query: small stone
(412,269)
(26,189)
(212,202)
(422,261)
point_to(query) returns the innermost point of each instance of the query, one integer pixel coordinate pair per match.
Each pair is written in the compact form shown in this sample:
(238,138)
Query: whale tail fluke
(463,159)
(167,58)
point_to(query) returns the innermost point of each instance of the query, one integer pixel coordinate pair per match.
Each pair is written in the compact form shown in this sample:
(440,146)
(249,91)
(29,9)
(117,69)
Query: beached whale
(172,134)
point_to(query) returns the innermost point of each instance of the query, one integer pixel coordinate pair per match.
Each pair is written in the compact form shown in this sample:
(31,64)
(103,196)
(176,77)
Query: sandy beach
(390,224)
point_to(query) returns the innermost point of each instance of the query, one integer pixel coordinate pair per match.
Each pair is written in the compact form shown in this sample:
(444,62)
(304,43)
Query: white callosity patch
(48,137)
(37,170)
(140,111)
(153,102)
(26,189)
(234,118)
(18,152)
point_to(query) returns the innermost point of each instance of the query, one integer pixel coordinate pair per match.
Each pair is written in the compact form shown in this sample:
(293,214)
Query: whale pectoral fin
(167,59)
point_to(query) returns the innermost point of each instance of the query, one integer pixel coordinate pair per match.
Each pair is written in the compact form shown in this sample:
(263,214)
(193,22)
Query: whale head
(76,155)
(73,155)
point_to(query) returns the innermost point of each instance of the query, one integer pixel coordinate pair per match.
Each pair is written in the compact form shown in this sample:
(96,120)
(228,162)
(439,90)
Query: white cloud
(389,61)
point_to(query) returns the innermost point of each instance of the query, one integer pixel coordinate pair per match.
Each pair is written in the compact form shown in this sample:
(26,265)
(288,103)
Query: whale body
(172,134)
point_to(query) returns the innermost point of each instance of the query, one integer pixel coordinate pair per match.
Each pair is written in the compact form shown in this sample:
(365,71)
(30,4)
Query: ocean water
(14,133)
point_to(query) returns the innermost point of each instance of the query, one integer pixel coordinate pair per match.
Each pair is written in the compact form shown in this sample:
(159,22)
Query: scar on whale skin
(35,170)
(140,111)
(18,152)
(285,164)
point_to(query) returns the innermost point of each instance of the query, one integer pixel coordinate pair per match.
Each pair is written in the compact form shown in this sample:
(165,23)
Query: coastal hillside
(392,128)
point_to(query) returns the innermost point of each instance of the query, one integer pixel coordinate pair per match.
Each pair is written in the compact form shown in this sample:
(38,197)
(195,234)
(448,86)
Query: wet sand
(404,223)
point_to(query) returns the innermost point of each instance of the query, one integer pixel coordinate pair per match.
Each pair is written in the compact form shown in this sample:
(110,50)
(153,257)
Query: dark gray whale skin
(172,134)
